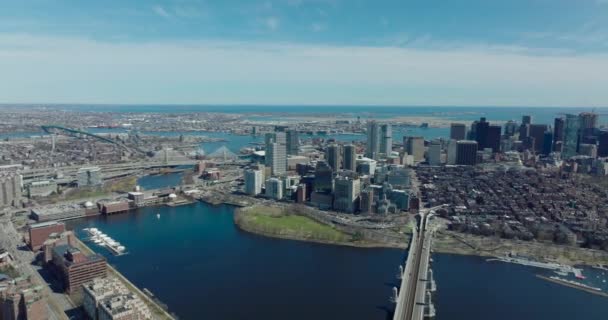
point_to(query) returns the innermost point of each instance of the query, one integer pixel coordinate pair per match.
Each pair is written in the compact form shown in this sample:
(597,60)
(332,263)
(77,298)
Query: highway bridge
(413,298)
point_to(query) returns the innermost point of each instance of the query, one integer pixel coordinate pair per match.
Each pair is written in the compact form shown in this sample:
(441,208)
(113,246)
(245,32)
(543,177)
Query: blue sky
(427,52)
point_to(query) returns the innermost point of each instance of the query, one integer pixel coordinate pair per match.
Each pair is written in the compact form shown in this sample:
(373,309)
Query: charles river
(195,260)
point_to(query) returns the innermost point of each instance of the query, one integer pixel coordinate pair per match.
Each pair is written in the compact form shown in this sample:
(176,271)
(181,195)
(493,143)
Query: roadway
(411,300)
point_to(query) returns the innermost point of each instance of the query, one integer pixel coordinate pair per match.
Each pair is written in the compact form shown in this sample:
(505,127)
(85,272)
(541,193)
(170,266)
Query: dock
(575,285)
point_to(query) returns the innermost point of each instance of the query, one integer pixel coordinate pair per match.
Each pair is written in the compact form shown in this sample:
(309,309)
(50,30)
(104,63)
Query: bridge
(54,129)
(413,298)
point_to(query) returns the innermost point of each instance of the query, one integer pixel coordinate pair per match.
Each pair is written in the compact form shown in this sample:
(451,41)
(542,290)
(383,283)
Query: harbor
(101,239)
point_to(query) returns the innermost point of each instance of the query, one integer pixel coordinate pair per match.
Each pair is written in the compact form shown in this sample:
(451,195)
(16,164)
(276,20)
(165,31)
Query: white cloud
(159,10)
(64,69)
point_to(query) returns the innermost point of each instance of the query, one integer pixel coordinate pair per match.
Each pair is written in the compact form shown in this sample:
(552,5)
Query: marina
(101,239)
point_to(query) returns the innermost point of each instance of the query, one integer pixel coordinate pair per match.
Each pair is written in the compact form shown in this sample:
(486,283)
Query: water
(196,261)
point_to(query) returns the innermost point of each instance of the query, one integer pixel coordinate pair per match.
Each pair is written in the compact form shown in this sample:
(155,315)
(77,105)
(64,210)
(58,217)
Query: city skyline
(306,52)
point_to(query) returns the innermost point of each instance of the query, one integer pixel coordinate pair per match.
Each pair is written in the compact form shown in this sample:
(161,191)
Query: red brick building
(39,232)
(75,268)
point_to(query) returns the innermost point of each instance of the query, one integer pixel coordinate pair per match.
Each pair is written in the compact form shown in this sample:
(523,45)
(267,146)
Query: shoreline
(155,308)
(364,245)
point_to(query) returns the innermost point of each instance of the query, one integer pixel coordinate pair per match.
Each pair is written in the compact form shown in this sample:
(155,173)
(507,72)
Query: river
(198,263)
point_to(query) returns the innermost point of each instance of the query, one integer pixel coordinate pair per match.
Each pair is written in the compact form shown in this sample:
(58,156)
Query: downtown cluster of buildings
(343,177)
(574,141)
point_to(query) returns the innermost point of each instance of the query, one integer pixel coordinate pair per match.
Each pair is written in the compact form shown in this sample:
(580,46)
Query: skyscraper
(276,153)
(349,159)
(346,193)
(458,131)
(526,119)
(386,139)
(293,142)
(324,178)
(548,142)
(571,134)
(414,146)
(333,157)
(510,128)
(558,132)
(434,153)
(253,182)
(373,140)
(493,138)
(537,131)
(602,149)
(588,120)
(481,132)
(274,188)
(466,152)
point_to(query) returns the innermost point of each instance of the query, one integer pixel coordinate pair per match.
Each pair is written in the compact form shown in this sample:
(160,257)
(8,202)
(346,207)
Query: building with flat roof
(40,232)
(21,300)
(458,131)
(10,188)
(253,182)
(123,307)
(41,188)
(102,291)
(466,152)
(414,146)
(74,268)
(58,212)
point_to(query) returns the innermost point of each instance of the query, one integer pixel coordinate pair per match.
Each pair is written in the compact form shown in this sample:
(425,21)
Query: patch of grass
(272,220)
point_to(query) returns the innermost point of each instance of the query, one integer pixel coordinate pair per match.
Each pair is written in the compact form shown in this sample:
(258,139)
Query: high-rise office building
(480,128)
(510,128)
(414,146)
(346,192)
(493,138)
(276,158)
(588,120)
(367,201)
(434,153)
(333,156)
(386,139)
(349,160)
(451,153)
(466,152)
(274,188)
(324,178)
(293,142)
(571,136)
(253,182)
(558,132)
(537,131)
(548,142)
(373,140)
(276,152)
(458,131)
(526,119)
(602,149)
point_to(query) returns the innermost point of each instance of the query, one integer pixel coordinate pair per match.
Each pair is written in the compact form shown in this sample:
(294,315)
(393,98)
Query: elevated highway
(413,298)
